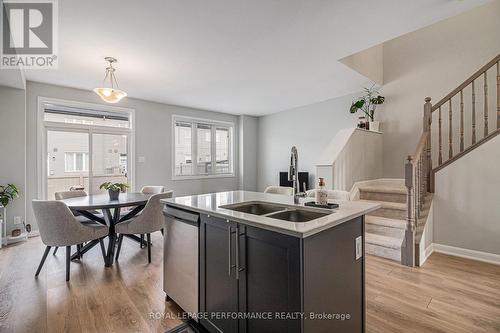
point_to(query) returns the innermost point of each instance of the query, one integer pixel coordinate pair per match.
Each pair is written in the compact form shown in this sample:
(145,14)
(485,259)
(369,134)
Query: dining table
(89,207)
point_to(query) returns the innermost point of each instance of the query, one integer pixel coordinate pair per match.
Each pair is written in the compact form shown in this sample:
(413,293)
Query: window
(202,148)
(82,145)
(204,151)
(75,162)
(83,116)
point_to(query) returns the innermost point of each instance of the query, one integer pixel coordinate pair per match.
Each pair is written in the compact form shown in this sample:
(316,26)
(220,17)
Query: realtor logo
(29,34)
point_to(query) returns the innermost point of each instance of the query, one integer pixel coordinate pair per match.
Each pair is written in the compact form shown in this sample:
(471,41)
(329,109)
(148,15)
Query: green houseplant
(367,104)
(114,189)
(8,193)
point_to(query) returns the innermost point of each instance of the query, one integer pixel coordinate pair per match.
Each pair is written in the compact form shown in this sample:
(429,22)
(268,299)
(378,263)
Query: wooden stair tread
(384,241)
(386,222)
(388,204)
(384,189)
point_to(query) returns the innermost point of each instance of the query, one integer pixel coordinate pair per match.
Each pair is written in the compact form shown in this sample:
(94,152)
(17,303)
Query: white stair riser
(390,213)
(384,252)
(383,196)
(384,230)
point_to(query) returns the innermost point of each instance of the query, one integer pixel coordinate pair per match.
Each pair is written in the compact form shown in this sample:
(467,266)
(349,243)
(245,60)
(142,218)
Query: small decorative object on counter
(114,189)
(16,232)
(321,193)
(362,122)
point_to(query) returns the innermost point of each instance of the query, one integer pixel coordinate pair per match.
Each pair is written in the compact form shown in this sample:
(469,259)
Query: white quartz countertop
(211,204)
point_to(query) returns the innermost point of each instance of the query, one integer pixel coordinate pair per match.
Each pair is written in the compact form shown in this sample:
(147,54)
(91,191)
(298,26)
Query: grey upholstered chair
(152,189)
(70,194)
(58,227)
(279,190)
(150,220)
(74,194)
(332,194)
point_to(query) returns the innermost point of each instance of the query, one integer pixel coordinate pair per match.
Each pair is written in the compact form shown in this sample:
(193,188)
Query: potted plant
(8,193)
(114,189)
(367,104)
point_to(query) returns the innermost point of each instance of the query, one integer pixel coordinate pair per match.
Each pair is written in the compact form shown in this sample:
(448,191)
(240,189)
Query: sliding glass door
(83,148)
(109,160)
(67,161)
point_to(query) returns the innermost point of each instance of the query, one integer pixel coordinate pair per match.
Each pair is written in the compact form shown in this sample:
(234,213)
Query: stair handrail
(419,171)
(459,93)
(416,182)
(466,83)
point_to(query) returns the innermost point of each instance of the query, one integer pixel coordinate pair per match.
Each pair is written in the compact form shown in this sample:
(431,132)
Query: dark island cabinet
(257,281)
(249,278)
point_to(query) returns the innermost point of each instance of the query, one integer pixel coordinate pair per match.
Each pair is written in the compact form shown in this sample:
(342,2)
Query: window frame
(213,150)
(44,126)
(85,161)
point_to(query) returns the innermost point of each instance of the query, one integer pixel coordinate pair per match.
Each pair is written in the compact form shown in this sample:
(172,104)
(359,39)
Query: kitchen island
(266,264)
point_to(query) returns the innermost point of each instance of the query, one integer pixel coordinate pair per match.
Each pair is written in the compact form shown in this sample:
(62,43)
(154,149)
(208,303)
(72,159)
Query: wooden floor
(447,295)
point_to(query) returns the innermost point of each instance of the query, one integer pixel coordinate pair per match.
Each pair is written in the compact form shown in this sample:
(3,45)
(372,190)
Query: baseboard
(427,253)
(491,258)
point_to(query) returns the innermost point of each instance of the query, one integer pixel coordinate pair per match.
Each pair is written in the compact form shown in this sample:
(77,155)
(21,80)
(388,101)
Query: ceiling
(242,57)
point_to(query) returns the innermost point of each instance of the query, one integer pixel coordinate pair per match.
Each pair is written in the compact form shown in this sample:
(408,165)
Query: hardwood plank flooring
(448,294)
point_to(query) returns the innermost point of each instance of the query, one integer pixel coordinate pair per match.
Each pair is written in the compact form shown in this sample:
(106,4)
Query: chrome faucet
(293,176)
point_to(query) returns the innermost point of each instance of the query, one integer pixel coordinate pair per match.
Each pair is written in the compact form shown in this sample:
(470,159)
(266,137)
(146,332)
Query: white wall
(467,201)
(353,155)
(369,63)
(248,126)
(432,62)
(12,148)
(153,141)
(310,128)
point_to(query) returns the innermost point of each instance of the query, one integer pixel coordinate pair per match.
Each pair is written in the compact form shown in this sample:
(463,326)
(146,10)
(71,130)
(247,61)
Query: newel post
(428,153)
(408,256)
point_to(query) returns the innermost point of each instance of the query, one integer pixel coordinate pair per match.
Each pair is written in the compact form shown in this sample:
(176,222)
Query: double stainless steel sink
(279,211)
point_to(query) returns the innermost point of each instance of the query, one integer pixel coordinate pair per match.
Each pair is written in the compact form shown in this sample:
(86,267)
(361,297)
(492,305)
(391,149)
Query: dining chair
(61,195)
(331,194)
(279,190)
(150,220)
(70,194)
(151,189)
(59,227)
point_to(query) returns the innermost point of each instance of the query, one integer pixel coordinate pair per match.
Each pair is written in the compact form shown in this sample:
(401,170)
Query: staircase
(385,227)
(394,231)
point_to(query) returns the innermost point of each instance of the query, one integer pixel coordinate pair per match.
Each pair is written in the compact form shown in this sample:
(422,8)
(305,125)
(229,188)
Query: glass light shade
(110,95)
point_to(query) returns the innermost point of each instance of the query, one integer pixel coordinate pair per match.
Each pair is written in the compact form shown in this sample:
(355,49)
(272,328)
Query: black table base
(110,219)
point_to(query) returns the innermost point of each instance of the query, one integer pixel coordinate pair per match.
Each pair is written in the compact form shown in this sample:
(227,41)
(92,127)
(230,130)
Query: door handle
(237,259)
(229,250)
(229,242)
(238,267)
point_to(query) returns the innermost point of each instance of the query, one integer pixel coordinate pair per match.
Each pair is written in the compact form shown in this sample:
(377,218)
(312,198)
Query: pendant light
(110,92)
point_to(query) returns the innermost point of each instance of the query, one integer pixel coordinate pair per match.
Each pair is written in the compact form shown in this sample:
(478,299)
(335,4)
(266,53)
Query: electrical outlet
(17,220)
(141,159)
(359,247)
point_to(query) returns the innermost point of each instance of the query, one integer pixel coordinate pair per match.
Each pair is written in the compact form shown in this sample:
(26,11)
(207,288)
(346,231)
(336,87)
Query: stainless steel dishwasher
(180,258)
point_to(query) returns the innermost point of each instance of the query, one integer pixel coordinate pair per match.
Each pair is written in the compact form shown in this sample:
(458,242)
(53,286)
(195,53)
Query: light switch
(141,159)
(359,247)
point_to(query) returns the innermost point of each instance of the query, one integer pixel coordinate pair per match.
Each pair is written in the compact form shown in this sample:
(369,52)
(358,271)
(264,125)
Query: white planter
(374,126)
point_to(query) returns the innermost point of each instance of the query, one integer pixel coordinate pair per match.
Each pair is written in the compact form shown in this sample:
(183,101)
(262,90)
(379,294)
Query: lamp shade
(109,92)
(110,95)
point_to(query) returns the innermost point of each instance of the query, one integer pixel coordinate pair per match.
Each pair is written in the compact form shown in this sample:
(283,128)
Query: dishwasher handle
(181,215)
